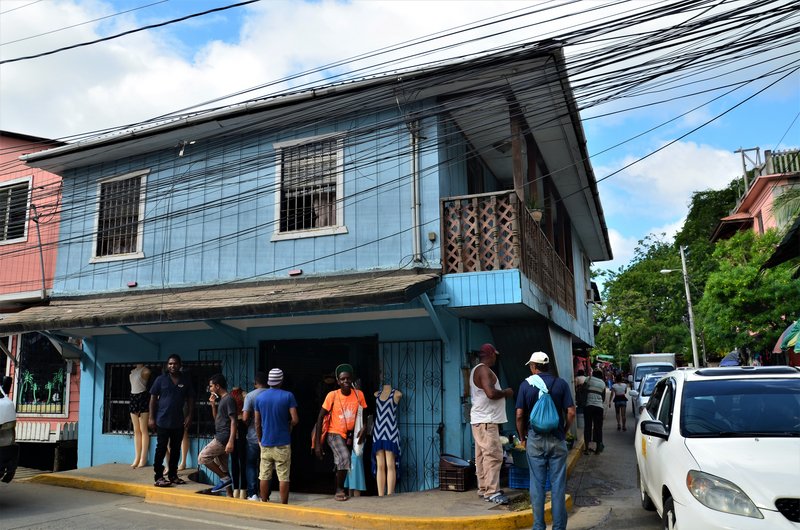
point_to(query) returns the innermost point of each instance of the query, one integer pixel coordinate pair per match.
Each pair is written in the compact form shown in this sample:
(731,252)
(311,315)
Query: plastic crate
(455,478)
(518,478)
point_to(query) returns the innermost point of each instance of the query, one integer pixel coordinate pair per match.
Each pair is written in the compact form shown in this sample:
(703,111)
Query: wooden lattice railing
(493,231)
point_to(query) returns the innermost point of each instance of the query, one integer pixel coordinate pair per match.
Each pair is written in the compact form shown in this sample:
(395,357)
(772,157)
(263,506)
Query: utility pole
(689,306)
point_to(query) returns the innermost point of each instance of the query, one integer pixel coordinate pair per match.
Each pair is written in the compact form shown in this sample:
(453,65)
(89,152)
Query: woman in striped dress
(386,440)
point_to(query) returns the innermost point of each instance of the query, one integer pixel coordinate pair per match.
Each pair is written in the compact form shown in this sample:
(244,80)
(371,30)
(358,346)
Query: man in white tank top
(487,413)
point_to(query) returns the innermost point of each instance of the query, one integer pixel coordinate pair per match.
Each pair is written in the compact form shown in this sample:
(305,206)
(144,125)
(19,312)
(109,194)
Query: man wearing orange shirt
(342,405)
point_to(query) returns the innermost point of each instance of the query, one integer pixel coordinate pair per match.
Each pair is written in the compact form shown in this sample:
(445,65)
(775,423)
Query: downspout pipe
(413,128)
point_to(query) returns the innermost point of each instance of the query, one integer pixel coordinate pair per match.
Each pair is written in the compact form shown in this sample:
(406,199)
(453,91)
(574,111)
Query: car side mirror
(630,379)
(654,428)
(634,394)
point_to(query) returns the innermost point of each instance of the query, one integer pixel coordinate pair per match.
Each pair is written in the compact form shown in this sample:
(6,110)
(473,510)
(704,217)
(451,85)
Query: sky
(646,153)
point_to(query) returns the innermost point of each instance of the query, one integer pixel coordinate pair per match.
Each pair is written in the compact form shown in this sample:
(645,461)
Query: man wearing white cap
(546,451)
(276,414)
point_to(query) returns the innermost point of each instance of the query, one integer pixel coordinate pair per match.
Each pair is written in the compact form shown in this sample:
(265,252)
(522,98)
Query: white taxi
(720,448)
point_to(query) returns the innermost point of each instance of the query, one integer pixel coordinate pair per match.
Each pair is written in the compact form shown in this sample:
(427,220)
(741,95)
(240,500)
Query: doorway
(305,365)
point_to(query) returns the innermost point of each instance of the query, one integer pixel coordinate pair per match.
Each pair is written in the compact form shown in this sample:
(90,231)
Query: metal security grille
(308,185)
(118,219)
(415,368)
(117,395)
(13,210)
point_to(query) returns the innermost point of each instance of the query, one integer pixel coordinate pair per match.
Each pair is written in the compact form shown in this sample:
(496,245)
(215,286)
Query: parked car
(642,396)
(9,450)
(720,448)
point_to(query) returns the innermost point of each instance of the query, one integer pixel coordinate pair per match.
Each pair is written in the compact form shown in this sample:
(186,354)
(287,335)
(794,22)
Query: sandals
(163,483)
(178,480)
(341,496)
(499,498)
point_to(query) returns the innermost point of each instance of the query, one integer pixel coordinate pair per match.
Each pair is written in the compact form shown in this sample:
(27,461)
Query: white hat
(275,377)
(538,357)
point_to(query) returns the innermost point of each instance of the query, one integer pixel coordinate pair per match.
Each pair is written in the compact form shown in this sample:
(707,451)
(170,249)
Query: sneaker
(163,483)
(253,497)
(498,498)
(488,498)
(221,485)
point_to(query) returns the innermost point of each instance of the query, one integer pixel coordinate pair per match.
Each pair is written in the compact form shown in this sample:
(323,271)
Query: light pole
(688,305)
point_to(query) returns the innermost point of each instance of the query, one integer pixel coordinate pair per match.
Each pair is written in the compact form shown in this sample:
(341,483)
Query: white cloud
(661,185)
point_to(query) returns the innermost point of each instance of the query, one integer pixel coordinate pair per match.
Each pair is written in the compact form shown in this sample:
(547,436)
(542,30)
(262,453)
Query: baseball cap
(487,349)
(538,357)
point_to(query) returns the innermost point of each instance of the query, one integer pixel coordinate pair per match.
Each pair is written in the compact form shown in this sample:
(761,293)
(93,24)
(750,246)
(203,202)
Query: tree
(740,307)
(644,310)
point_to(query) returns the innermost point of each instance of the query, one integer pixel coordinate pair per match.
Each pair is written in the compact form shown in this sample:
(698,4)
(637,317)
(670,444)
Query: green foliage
(742,308)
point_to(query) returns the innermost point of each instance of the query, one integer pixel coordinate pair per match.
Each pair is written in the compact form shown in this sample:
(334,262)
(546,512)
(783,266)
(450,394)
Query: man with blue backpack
(545,411)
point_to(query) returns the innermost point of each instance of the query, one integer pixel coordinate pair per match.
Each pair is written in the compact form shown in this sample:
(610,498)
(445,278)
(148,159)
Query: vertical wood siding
(210,215)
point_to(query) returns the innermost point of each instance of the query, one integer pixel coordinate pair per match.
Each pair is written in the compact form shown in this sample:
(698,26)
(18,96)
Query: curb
(304,515)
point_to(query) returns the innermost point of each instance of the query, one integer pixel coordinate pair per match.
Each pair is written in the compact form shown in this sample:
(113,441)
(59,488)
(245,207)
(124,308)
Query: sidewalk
(432,509)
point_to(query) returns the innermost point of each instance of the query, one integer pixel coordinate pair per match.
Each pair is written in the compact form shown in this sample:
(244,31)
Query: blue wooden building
(395,223)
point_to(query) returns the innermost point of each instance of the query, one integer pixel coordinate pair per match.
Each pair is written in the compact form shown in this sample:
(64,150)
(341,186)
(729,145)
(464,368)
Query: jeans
(164,437)
(547,455)
(253,465)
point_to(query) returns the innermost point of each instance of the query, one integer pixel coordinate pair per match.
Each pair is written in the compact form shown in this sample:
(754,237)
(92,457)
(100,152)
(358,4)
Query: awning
(230,301)
(787,249)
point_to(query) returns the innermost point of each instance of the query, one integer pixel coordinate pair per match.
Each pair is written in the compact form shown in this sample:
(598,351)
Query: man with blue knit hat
(276,414)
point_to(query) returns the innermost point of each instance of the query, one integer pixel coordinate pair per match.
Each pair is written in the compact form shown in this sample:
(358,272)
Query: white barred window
(119,216)
(13,211)
(310,182)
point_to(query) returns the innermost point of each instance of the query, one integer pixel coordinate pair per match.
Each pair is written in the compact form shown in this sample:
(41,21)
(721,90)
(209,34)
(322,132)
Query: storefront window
(41,377)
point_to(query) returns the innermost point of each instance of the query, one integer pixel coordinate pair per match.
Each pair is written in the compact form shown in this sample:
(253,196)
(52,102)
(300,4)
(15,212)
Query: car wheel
(668,521)
(647,504)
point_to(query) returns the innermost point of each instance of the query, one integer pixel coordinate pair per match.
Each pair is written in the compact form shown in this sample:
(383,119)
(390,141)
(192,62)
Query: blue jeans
(253,464)
(547,455)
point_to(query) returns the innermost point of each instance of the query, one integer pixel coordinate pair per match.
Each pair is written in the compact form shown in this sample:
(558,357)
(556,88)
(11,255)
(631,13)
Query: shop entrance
(305,365)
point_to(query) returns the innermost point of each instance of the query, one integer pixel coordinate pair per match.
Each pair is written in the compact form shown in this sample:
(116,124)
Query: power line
(124,33)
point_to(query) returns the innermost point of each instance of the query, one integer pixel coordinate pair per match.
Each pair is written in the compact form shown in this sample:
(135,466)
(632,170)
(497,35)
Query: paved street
(27,505)
(604,486)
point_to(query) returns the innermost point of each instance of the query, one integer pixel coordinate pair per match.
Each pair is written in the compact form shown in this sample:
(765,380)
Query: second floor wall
(29,216)
(253,206)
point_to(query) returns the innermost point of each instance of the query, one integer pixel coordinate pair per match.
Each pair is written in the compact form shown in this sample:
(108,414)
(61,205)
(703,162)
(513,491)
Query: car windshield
(644,371)
(648,384)
(741,407)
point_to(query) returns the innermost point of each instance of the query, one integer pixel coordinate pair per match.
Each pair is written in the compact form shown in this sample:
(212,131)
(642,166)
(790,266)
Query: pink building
(780,171)
(46,385)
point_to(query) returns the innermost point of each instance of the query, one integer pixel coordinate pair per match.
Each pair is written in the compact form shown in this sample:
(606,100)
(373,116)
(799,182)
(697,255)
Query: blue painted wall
(210,215)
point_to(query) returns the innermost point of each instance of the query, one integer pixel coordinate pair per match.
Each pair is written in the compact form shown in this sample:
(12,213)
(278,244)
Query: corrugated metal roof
(226,301)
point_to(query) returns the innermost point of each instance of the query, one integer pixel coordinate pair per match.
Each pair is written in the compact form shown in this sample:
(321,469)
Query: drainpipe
(413,128)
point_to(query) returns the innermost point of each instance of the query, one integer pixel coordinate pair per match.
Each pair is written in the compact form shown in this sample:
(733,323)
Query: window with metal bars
(13,210)
(309,191)
(120,216)
(117,395)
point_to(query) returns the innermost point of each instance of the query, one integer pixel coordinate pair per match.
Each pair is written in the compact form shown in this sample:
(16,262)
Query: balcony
(494,231)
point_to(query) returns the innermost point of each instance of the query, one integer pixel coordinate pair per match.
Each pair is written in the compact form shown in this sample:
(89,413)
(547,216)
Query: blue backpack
(544,416)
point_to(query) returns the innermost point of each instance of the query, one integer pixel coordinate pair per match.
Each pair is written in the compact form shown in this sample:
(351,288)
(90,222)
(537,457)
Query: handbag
(358,448)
